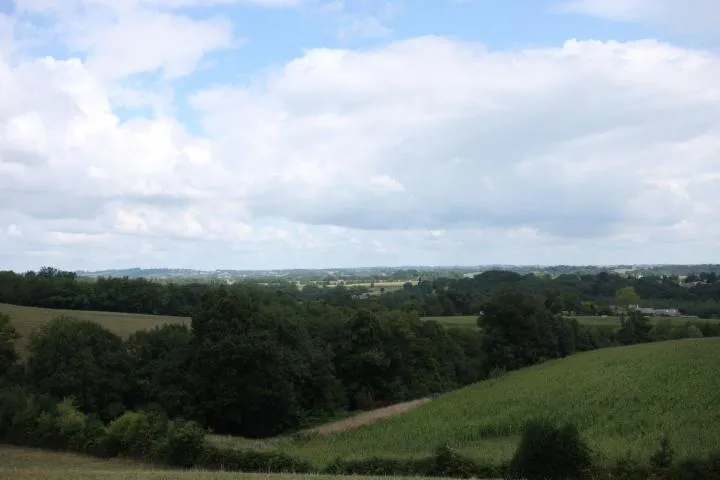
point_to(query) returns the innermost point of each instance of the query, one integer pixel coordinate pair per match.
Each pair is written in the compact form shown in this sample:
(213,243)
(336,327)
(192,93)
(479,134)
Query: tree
(519,330)
(626,297)
(161,359)
(635,328)
(70,357)
(548,451)
(8,355)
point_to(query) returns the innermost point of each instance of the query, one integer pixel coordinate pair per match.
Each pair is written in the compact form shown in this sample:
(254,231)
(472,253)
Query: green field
(28,319)
(30,464)
(623,399)
(470,321)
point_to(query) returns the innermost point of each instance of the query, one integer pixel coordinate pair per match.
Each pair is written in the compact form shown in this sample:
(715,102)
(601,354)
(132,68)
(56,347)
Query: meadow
(624,400)
(31,464)
(470,321)
(28,319)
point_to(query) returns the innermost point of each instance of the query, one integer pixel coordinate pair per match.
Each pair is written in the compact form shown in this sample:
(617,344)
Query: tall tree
(70,357)
(519,330)
(626,297)
(8,355)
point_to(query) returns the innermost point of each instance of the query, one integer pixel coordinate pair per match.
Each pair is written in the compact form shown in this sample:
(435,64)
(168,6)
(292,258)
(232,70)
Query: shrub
(696,469)
(70,425)
(448,463)
(382,467)
(215,458)
(663,457)
(548,451)
(184,443)
(139,435)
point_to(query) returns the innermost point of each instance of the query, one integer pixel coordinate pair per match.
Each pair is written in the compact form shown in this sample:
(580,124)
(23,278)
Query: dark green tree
(8,355)
(70,357)
(519,331)
(635,328)
(548,451)
(160,361)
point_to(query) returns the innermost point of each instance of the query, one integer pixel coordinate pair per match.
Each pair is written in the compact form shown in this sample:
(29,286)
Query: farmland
(623,399)
(28,319)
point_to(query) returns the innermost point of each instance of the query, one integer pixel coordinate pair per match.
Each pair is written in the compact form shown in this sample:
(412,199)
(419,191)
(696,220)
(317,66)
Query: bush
(696,469)
(184,443)
(139,435)
(548,451)
(381,467)
(663,458)
(448,463)
(215,458)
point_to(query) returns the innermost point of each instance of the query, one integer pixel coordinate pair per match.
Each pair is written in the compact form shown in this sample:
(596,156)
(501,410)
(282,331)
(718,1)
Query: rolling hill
(623,399)
(28,319)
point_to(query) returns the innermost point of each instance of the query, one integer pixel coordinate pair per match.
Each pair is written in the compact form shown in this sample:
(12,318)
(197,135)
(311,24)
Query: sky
(259,134)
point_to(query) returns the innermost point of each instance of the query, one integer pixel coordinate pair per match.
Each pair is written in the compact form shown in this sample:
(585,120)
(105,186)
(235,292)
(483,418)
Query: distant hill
(396,273)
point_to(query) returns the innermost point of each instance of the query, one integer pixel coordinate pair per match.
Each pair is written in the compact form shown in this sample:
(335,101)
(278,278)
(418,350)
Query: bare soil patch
(367,418)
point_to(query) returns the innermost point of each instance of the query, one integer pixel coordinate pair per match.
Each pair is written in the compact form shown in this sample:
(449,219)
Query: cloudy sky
(319,133)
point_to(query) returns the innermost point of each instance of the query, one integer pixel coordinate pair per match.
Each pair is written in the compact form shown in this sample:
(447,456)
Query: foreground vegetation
(266,361)
(624,400)
(32,464)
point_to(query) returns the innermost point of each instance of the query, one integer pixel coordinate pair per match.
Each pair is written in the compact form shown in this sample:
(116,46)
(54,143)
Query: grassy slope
(623,399)
(29,464)
(27,319)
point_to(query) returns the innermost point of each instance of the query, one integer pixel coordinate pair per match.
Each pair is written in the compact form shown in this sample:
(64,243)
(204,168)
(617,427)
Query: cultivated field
(28,319)
(623,399)
(29,464)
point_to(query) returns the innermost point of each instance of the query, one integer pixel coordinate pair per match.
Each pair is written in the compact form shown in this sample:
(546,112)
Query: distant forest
(697,294)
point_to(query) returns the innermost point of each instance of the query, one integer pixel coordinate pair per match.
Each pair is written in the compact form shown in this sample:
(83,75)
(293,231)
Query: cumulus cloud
(577,140)
(690,15)
(426,150)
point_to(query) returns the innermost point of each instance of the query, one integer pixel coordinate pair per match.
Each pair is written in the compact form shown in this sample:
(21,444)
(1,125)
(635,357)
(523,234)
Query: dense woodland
(260,361)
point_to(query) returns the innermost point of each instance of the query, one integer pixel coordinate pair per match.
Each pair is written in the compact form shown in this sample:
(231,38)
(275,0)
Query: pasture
(470,321)
(30,464)
(623,399)
(28,319)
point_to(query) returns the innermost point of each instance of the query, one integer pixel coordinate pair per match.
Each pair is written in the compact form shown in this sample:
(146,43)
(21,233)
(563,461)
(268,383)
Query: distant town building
(658,312)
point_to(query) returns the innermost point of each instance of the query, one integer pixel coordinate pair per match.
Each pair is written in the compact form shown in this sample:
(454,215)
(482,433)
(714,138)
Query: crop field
(623,399)
(28,319)
(29,464)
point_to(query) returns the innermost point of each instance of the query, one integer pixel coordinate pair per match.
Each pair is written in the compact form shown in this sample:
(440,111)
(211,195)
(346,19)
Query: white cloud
(427,150)
(122,38)
(689,15)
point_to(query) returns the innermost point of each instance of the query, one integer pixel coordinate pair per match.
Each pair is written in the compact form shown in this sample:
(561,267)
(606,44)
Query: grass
(470,321)
(30,464)
(623,399)
(28,319)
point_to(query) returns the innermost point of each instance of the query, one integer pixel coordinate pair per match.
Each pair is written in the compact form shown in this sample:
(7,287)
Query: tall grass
(624,400)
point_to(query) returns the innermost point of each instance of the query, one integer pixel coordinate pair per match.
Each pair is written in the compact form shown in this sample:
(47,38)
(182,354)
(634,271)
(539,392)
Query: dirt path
(366,418)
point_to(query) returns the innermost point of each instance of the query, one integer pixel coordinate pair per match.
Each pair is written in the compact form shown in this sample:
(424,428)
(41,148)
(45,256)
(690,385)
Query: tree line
(584,294)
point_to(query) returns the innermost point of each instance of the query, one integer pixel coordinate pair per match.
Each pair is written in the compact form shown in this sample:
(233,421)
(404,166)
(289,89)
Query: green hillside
(28,319)
(623,399)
